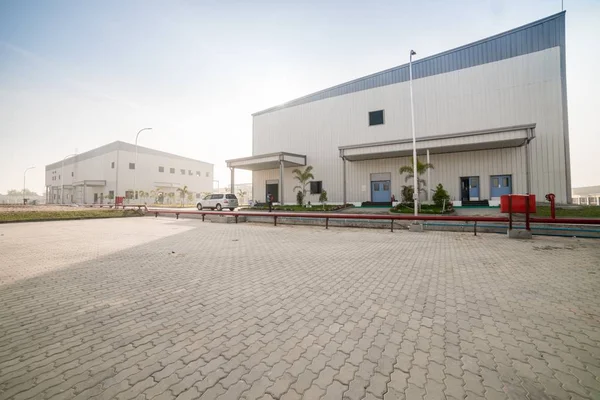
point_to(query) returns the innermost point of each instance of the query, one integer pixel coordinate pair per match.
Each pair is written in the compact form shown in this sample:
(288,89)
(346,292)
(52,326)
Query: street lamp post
(62,179)
(136,161)
(24,175)
(414,138)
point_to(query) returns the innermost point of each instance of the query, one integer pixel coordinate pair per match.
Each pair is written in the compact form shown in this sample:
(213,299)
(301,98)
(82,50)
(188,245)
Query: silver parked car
(218,201)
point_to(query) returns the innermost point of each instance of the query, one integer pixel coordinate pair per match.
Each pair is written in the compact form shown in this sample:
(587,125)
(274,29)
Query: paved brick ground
(158,308)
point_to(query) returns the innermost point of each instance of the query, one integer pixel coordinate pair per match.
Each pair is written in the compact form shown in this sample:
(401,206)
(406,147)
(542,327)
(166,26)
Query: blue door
(474,187)
(500,185)
(381,192)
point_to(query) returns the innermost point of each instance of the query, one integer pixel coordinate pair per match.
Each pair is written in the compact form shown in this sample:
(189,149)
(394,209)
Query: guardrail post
(236,219)
(475,228)
(326,223)
(177,215)
(203,217)
(392,225)
(155,215)
(275,219)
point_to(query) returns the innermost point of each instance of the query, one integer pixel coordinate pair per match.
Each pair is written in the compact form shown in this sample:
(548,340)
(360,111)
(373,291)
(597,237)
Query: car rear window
(230,196)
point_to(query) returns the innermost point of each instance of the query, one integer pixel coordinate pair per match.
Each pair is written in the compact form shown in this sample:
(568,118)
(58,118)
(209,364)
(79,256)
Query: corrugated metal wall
(514,91)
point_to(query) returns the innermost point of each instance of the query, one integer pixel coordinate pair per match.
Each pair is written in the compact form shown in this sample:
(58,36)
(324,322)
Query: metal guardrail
(116,207)
(378,217)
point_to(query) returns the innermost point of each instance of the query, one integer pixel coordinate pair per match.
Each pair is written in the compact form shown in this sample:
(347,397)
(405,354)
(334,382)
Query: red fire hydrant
(550,197)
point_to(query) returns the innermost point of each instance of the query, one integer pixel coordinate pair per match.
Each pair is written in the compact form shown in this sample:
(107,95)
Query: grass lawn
(18,216)
(575,211)
(425,209)
(297,208)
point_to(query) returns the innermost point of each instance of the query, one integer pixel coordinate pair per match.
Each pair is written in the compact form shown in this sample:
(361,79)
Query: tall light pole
(414,137)
(136,161)
(24,174)
(62,179)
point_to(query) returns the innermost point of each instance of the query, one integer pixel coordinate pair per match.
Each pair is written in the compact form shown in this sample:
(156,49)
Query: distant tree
(171,196)
(14,192)
(303,178)
(323,198)
(241,193)
(182,193)
(190,197)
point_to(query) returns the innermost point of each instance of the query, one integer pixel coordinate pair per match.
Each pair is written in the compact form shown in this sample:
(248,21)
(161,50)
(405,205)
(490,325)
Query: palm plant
(241,193)
(183,192)
(303,178)
(421,169)
(171,195)
(190,197)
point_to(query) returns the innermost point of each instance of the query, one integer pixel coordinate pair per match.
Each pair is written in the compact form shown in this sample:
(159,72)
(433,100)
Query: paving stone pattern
(165,309)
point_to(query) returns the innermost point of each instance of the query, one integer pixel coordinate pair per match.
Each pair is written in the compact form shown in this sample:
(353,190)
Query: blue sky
(75,75)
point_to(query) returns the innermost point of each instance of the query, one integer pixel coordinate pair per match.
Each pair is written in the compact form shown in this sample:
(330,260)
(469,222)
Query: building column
(281,182)
(344,181)
(232,180)
(429,179)
(598,200)
(84,190)
(587,200)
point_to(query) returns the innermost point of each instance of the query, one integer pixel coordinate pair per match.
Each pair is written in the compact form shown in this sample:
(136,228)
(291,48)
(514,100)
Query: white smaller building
(99,176)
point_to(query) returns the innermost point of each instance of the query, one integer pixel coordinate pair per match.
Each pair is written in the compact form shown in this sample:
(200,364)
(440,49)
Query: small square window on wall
(112,165)
(131,165)
(190,173)
(72,174)
(316,187)
(376,117)
(198,173)
(183,172)
(161,169)
(172,170)
(207,174)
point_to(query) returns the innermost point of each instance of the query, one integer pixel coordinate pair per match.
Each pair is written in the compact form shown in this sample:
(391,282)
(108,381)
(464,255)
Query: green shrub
(440,195)
(407,194)
(323,197)
(300,198)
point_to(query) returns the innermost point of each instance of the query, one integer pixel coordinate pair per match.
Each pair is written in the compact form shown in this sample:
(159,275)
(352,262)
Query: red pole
(510,212)
(552,206)
(527,227)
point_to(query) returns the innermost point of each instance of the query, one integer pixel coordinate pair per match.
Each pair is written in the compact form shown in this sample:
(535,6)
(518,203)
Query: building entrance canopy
(268,161)
(513,136)
(261,162)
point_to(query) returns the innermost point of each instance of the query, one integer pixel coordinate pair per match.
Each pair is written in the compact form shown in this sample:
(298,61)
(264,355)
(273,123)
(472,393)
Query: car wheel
(231,209)
(199,206)
(219,208)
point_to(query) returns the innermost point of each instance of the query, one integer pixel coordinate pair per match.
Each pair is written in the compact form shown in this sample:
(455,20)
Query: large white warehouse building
(492,115)
(100,175)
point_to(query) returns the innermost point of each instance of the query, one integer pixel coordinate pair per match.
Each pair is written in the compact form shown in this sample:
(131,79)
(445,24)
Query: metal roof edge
(114,146)
(422,60)
(279,153)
